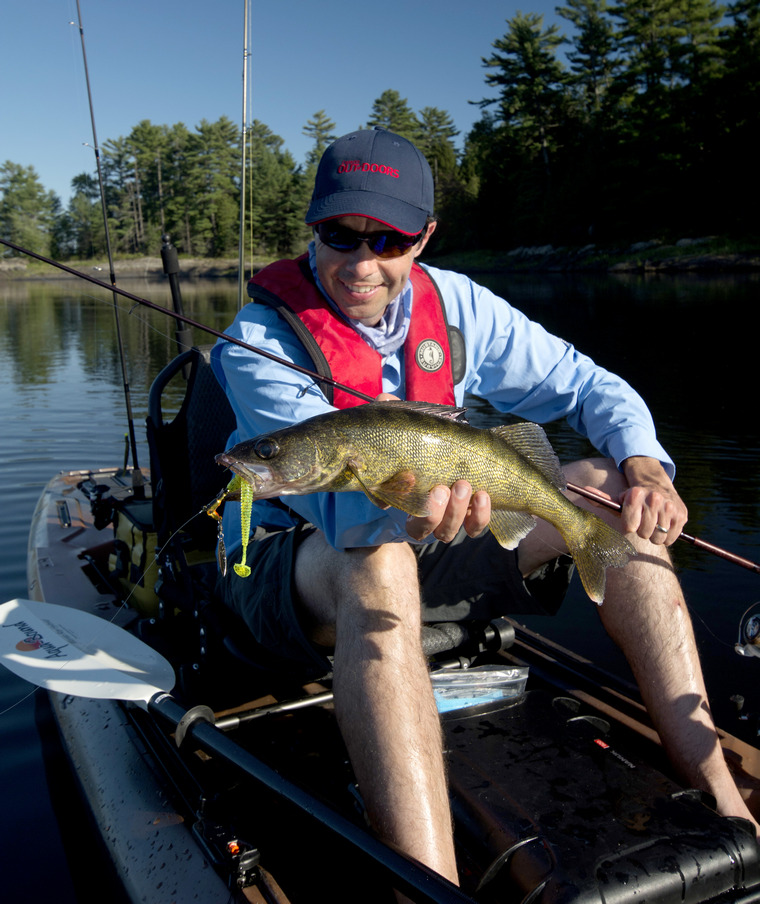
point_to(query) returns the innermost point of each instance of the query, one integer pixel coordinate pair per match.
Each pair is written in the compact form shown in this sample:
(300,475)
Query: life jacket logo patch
(430,355)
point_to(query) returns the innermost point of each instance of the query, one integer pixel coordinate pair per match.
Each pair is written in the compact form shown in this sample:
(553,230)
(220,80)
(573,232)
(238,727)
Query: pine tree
(213,163)
(391,111)
(321,129)
(592,59)
(79,229)
(277,192)
(531,81)
(435,138)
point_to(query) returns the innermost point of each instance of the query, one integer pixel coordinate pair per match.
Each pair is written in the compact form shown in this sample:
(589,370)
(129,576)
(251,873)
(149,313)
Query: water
(684,342)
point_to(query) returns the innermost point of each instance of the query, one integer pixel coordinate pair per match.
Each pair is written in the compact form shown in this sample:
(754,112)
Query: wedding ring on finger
(661,528)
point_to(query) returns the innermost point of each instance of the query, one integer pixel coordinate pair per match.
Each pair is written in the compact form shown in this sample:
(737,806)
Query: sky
(171,61)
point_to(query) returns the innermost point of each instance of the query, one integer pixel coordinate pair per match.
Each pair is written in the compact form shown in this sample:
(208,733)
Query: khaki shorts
(467,579)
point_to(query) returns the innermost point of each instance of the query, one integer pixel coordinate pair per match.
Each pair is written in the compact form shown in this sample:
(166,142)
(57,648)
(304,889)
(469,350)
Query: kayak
(233,783)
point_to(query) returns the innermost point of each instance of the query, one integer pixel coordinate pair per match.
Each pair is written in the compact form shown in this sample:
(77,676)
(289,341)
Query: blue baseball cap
(376,174)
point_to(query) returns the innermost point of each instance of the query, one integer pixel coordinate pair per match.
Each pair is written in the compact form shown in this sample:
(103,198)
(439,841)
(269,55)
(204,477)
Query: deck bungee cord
(581,491)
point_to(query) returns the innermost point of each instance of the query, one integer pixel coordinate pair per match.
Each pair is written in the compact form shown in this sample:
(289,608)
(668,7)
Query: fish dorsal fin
(449,412)
(401,491)
(510,527)
(530,441)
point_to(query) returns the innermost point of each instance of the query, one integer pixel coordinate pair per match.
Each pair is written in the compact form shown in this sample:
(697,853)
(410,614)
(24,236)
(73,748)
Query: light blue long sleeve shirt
(513,362)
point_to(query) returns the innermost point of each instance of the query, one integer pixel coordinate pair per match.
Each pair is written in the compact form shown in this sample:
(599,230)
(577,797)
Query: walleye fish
(396,452)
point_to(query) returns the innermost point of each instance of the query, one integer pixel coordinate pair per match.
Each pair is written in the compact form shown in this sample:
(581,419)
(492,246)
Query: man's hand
(451,509)
(651,506)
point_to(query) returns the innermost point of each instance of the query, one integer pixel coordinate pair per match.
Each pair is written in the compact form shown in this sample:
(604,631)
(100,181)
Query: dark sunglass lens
(392,244)
(338,237)
(380,243)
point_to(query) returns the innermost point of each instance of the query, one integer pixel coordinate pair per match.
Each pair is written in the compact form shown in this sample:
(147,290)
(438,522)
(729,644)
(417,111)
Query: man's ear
(430,229)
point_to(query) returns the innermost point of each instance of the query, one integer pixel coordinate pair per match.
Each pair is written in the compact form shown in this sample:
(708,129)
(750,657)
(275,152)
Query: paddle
(77,653)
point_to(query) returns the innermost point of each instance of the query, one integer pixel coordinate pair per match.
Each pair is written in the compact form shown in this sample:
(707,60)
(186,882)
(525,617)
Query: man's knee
(328,580)
(601,473)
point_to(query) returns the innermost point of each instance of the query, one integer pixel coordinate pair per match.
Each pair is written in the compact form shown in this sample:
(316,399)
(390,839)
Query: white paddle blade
(73,652)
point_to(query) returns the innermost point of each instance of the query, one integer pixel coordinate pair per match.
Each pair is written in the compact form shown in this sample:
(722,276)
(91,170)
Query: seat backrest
(184,474)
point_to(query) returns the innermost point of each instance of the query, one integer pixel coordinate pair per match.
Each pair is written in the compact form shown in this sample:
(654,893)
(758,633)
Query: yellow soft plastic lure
(246,501)
(236,485)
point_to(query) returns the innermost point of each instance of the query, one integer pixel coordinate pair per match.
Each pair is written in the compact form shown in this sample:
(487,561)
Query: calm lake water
(683,341)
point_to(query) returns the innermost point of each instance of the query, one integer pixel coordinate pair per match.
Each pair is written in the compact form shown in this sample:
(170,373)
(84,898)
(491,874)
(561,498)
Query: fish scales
(396,452)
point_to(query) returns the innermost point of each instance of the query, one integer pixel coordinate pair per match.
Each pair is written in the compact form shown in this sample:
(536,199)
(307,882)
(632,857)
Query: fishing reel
(748,642)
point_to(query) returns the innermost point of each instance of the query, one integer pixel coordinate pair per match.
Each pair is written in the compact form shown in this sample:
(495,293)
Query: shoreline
(706,255)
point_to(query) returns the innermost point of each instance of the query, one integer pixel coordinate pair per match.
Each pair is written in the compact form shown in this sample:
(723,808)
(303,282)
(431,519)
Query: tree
(278,192)
(592,59)
(27,210)
(737,122)
(531,82)
(124,226)
(671,57)
(149,145)
(667,45)
(212,184)
(435,136)
(321,130)
(516,185)
(174,172)
(79,229)
(391,111)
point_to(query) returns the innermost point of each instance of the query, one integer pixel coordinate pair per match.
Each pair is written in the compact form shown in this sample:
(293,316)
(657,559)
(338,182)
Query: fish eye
(266,448)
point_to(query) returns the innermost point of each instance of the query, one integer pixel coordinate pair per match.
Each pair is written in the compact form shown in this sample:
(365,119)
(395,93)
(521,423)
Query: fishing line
(18,702)
(134,313)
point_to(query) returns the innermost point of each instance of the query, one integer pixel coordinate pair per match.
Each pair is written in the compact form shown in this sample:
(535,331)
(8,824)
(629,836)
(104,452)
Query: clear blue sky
(174,61)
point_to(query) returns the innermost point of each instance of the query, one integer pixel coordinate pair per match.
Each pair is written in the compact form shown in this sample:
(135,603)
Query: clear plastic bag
(462,688)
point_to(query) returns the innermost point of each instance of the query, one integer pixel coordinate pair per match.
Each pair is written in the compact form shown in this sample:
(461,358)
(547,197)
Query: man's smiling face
(360,283)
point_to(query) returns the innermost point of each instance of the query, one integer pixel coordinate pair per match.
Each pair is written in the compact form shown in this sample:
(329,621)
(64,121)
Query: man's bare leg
(366,602)
(645,614)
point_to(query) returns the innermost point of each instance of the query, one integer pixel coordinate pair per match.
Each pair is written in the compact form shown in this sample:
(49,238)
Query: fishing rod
(243,147)
(137,481)
(581,491)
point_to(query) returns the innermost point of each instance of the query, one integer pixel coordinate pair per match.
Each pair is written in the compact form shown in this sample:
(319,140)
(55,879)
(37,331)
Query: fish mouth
(260,477)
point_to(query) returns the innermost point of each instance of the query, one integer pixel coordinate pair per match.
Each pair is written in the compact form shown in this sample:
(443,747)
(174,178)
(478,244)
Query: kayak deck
(561,795)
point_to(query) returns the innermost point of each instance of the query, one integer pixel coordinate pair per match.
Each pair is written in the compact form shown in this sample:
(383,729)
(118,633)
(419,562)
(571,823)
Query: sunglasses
(382,244)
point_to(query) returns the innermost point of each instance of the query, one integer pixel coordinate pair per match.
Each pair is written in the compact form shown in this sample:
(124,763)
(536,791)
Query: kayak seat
(185,475)
(189,420)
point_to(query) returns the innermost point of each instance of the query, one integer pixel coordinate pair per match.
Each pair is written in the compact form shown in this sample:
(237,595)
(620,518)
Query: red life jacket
(433,352)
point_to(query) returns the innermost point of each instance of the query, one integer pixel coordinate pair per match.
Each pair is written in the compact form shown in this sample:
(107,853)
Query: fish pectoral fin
(510,527)
(355,468)
(402,491)
(399,491)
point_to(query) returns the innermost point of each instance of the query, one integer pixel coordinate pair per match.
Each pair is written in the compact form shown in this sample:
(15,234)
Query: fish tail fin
(594,548)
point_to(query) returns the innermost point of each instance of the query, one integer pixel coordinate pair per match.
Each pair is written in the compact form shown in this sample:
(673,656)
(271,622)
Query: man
(334,572)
